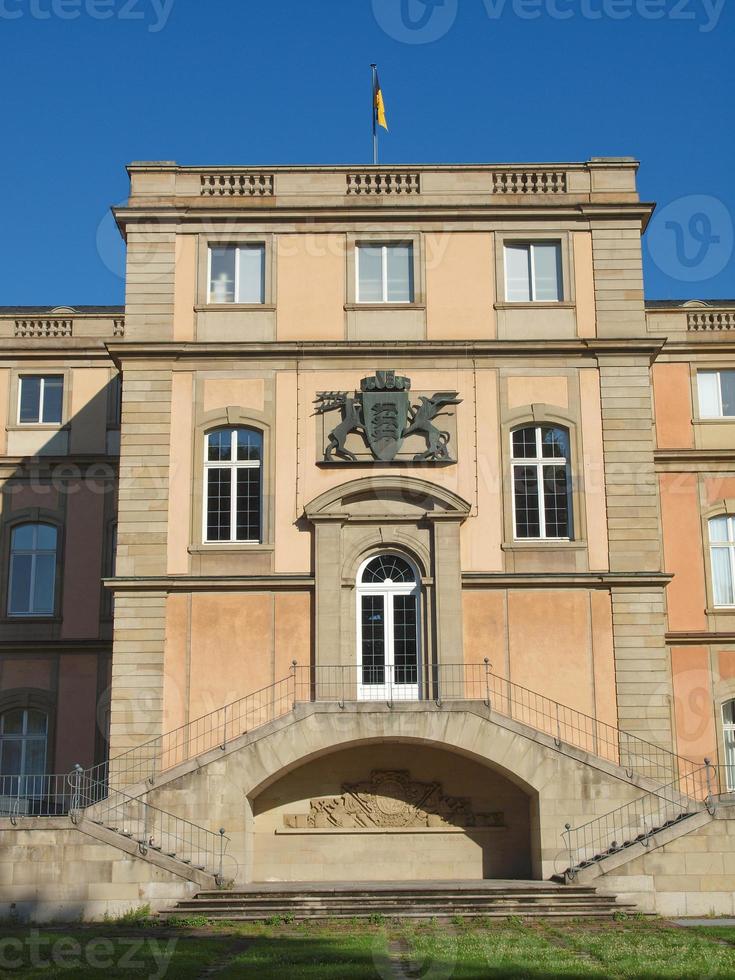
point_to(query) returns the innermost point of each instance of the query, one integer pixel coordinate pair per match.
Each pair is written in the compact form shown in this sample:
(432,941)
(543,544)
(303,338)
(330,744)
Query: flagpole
(374,69)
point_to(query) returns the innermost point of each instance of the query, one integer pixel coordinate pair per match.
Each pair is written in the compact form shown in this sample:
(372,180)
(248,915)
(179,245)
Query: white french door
(388,631)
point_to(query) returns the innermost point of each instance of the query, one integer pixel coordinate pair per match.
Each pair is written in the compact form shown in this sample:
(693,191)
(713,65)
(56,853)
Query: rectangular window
(716,394)
(385,273)
(722,551)
(533,273)
(541,483)
(233,485)
(41,399)
(237,274)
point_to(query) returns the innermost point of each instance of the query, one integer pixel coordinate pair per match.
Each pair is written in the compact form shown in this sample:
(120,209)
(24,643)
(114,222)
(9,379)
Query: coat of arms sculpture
(382,413)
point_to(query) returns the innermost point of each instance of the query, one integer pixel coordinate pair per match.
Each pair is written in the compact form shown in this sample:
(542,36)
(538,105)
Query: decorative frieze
(237,185)
(529,182)
(395,182)
(390,799)
(704,320)
(44,327)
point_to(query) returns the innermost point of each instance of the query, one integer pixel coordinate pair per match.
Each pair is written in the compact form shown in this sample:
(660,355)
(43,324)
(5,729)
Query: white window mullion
(721,408)
(541,502)
(532,273)
(233,485)
(384,256)
(41,392)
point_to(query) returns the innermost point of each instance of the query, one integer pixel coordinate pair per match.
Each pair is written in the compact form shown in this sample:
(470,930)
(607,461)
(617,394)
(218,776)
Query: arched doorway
(388,629)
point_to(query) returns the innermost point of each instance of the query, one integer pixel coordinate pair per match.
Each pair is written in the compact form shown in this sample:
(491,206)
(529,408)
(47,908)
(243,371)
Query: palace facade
(388,528)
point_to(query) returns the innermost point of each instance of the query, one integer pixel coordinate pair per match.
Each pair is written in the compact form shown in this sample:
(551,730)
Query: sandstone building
(386,527)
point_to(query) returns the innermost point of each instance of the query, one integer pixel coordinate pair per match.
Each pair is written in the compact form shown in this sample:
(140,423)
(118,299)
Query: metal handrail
(439,682)
(636,822)
(152,828)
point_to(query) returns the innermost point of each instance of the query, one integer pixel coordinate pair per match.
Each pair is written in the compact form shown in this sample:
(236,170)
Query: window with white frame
(233,485)
(32,580)
(722,552)
(237,274)
(541,482)
(533,272)
(716,394)
(23,743)
(385,273)
(728,731)
(40,399)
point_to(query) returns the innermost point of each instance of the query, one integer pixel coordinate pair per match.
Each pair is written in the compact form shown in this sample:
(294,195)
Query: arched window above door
(388,569)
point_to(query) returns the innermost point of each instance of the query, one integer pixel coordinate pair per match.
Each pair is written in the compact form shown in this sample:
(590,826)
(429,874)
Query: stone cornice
(556,580)
(460,350)
(470,580)
(697,460)
(695,638)
(208,583)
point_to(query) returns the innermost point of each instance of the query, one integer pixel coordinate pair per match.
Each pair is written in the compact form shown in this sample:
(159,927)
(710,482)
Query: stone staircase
(419,900)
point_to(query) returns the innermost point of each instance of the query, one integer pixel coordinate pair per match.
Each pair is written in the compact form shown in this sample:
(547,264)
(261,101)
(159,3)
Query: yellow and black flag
(379,102)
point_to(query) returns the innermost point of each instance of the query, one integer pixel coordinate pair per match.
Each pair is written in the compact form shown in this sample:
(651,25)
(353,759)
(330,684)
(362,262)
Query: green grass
(358,950)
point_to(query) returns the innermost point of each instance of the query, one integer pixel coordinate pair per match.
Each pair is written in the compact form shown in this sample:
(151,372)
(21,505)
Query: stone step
(583,912)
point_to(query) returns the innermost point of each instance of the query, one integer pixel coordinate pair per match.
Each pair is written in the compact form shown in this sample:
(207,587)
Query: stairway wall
(692,875)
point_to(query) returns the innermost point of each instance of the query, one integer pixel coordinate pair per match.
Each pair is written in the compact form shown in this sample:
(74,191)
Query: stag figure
(351,409)
(420,419)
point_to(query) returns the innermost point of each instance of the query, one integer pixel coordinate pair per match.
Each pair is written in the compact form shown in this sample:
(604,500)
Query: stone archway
(391,811)
(412,516)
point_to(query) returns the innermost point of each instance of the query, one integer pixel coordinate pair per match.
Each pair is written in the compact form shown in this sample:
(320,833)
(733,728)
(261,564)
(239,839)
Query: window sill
(236,308)
(38,427)
(225,546)
(349,307)
(534,544)
(9,619)
(720,611)
(541,305)
(716,420)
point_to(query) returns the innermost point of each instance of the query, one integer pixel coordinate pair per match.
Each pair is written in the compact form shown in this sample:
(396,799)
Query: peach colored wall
(180,482)
(176,668)
(584,281)
(606,706)
(593,468)
(293,546)
(695,728)
(484,622)
(185,284)
(76,718)
(717,488)
(549,644)
(536,390)
(466,313)
(89,410)
(240,643)
(311,287)
(33,672)
(220,393)
(231,648)
(83,549)
(683,551)
(482,534)
(726,664)
(293,611)
(672,398)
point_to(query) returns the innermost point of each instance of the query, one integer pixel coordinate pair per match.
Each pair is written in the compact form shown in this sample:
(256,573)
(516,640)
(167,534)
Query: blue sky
(90,85)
